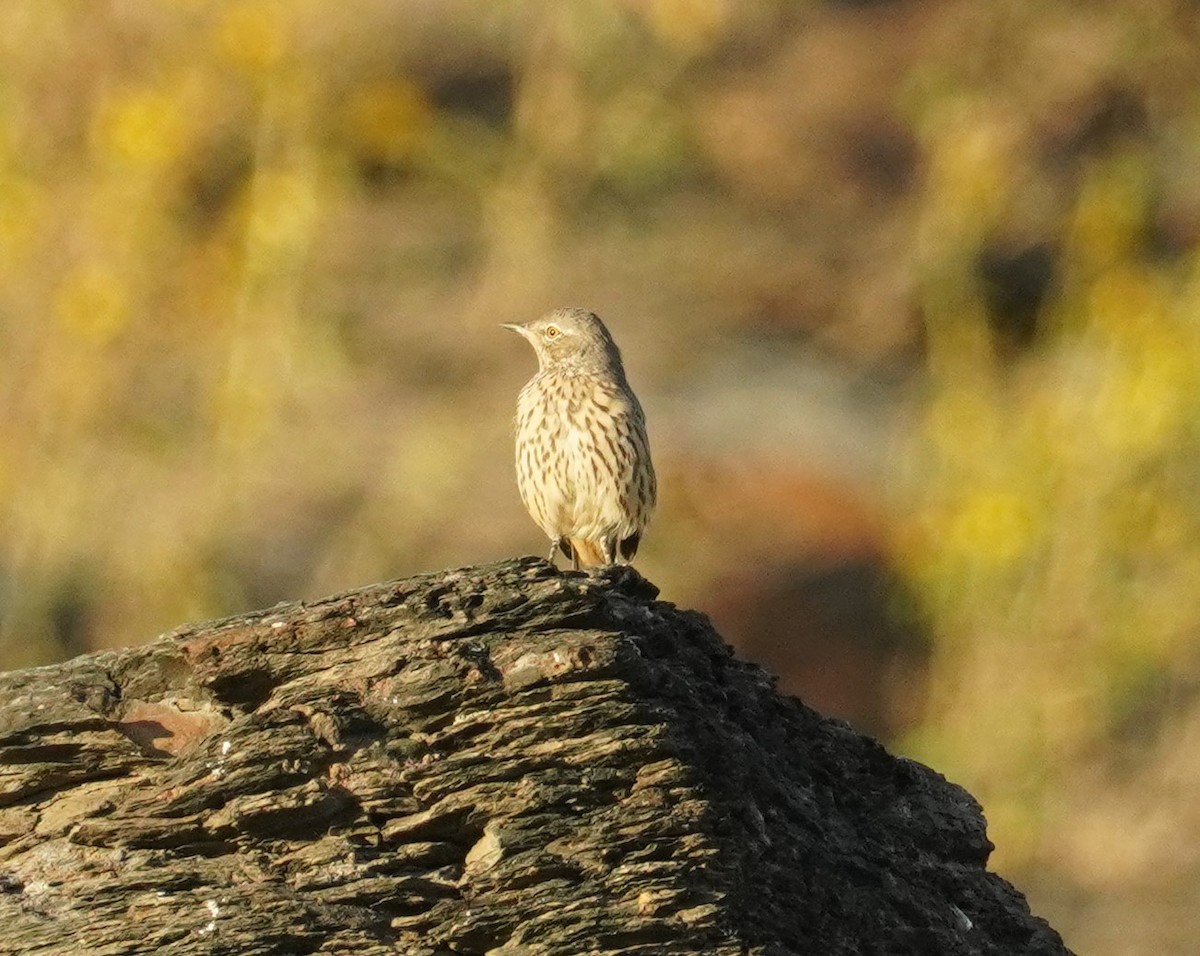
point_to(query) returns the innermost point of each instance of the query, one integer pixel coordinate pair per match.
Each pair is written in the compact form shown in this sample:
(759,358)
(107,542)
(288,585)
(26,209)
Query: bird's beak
(519,329)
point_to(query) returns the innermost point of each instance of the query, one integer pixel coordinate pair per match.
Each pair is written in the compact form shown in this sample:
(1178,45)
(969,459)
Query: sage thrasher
(583,461)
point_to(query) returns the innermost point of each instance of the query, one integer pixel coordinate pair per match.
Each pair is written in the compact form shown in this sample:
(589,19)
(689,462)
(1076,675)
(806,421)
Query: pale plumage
(583,461)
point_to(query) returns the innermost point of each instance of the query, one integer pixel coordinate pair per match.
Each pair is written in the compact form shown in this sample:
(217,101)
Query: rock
(499,760)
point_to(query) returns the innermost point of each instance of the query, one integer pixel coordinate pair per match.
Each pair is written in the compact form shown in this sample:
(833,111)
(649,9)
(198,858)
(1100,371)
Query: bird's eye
(551,331)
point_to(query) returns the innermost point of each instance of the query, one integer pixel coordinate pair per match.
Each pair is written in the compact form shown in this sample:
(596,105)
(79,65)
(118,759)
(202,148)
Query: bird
(583,458)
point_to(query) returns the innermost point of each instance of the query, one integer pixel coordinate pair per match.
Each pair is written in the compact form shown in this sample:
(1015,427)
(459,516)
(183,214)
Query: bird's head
(571,337)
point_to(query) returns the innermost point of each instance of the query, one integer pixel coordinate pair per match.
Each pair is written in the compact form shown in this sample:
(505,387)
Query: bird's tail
(588,553)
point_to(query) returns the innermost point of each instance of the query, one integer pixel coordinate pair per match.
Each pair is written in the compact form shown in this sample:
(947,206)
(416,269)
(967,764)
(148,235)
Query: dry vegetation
(904,286)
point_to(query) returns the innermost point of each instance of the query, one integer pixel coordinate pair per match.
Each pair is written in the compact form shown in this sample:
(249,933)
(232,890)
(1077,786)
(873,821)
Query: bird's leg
(574,557)
(553,550)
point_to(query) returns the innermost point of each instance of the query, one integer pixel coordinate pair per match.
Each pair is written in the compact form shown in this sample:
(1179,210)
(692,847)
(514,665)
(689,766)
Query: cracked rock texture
(499,760)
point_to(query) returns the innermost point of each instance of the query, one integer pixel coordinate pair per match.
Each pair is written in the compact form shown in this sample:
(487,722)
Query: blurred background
(910,292)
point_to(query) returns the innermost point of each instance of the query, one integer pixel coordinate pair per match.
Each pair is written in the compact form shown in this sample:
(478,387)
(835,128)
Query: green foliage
(1048,510)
